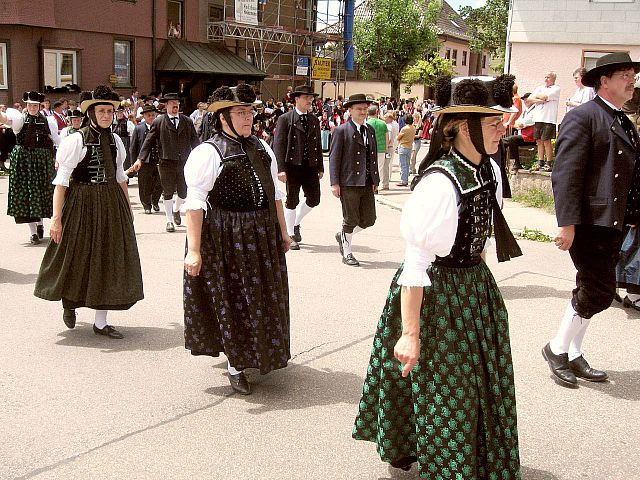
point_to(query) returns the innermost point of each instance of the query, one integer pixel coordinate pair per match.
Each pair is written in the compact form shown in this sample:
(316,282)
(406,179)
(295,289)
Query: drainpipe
(153,45)
(507,47)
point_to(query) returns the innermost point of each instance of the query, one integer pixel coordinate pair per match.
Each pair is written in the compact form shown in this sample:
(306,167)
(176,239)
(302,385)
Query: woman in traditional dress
(75,123)
(439,389)
(236,294)
(92,260)
(31,164)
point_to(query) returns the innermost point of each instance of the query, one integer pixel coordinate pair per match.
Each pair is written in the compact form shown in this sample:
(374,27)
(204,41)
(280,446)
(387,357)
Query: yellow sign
(321,68)
(113,78)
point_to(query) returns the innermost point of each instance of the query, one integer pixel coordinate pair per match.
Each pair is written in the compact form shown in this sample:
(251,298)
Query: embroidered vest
(35,132)
(95,168)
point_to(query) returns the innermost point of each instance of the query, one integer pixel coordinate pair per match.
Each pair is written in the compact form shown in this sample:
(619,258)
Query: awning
(209,58)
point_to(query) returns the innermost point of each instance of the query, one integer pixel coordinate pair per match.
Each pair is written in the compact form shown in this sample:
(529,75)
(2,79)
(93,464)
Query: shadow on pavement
(297,387)
(152,339)
(512,292)
(17,278)
(333,248)
(527,473)
(623,385)
(380,265)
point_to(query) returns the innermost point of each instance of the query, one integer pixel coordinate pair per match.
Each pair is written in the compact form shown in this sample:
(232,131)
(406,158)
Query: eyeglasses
(625,76)
(244,114)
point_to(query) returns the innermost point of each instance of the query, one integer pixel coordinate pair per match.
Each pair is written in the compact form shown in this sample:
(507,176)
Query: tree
(488,28)
(426,71)
(393,35)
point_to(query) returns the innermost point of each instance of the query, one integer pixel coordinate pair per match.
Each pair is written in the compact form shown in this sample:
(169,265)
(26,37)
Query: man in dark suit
(175,137)
(298,150)
(149,185)
(353,167)
(596,191)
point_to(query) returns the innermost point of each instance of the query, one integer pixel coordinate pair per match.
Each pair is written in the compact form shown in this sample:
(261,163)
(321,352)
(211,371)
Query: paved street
(78,406)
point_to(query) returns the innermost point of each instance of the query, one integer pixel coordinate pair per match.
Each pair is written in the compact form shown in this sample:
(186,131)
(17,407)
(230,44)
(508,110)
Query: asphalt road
(78,406)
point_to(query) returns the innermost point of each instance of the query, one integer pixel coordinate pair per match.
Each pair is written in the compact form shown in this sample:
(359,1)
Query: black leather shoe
(617,298)
(350,260)
(581,368)
(40,231)
(176,218)
(156,208)
(107,331)
(69,317)
(404,463)
(294,245)
(626,303)
(339,240)
(559,366)
(147,211)
(34,239)
(239,383)
(296,233)
(170,227)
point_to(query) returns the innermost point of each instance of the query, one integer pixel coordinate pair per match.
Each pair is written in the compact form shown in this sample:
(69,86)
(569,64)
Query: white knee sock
(168,210)
(231,370)
(575,348)
(634,297)
(569,327)
(101,319)
(346,243)
(302,210)
(177,204)
(32,227)
(290,219)
(356,230)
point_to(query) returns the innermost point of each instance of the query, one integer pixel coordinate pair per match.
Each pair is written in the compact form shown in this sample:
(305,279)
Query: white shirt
(15,118)
(429,225)
(547,112)
(72,150)
(203,168)
(177,122)
(582,95)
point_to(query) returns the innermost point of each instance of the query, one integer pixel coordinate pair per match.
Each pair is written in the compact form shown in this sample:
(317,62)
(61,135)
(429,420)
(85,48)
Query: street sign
(321,68)
(302,66)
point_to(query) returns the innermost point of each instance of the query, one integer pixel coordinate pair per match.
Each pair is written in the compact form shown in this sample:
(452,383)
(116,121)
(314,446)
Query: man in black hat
(596,190)
(149,187)
(175,136)
(298,148)
(353,167)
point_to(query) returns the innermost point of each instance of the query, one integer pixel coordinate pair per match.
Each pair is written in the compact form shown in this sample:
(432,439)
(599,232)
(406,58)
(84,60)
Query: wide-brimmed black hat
(75,113)
(357,98)
(101,94)
(169,96)
(32,97)
(604,64)
(479,94)
(226,97)
(149,108)
(303,90)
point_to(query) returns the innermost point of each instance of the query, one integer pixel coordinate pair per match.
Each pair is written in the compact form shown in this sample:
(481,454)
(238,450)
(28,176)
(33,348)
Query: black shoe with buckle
(34,239)
(294,245)
(626,303)
(339,240)
(240,383)
(170,227)
(559,366)
(176,218)
(350,260)
(40,231)
(296,233)
(69,317)
(107,331)
(581,368)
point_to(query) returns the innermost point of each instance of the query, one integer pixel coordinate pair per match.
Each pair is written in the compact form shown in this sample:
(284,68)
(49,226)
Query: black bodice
(99,163)
(35,132)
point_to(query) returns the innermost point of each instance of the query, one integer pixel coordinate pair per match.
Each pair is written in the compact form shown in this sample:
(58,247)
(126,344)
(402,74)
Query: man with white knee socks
(597,192)
(298,148)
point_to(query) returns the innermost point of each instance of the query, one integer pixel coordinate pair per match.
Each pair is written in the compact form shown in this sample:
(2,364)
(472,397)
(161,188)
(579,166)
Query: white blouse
(15,118)
(202,169)
(71,152)
(429,225)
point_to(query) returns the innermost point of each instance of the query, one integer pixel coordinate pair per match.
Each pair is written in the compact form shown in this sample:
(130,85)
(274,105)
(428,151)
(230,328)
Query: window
(123,62)
(60,67)
(464,58)
(4,74)
(447,54)
(175,15)
(454,57)
(215,13)
(589,59)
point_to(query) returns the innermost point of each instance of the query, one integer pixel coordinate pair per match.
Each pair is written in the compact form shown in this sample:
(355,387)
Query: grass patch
(534,197)
(535,235)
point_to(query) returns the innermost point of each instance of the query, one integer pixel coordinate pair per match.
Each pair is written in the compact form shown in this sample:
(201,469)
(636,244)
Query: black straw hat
(303,90)
(75,113)
(169,96)
(605,63)
(32,97)
(481,94)
(357,98)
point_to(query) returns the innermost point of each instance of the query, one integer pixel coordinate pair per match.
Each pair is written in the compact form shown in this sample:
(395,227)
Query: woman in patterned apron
(31,164)
(92,260)
(439,388)
(236,293)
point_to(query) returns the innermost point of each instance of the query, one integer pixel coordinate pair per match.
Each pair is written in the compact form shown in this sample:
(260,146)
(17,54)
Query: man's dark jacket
(593,169)
(288,142)
(137,140)
(173,144)
(348,156)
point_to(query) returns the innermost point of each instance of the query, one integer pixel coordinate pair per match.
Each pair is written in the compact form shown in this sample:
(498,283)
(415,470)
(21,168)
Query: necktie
(304,119)
(363,134)
(175,121)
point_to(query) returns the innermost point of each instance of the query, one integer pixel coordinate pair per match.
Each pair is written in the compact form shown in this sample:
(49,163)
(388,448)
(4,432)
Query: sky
(456,4)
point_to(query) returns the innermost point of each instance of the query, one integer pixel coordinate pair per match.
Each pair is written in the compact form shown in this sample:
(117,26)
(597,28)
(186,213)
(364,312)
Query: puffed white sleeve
(53,130)
(274,170)
(200,172)
(429,224)
(70,151)
(15,119)
(121,155)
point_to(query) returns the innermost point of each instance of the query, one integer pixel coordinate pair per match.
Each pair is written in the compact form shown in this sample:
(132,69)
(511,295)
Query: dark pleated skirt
(239,304)
(30,188)
(456,411)
(96,264)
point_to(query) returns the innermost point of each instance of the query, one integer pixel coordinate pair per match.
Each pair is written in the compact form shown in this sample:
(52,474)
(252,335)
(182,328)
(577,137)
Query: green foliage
(535,235)
(534,197)
(425,72)
(394,35)
(488,29)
